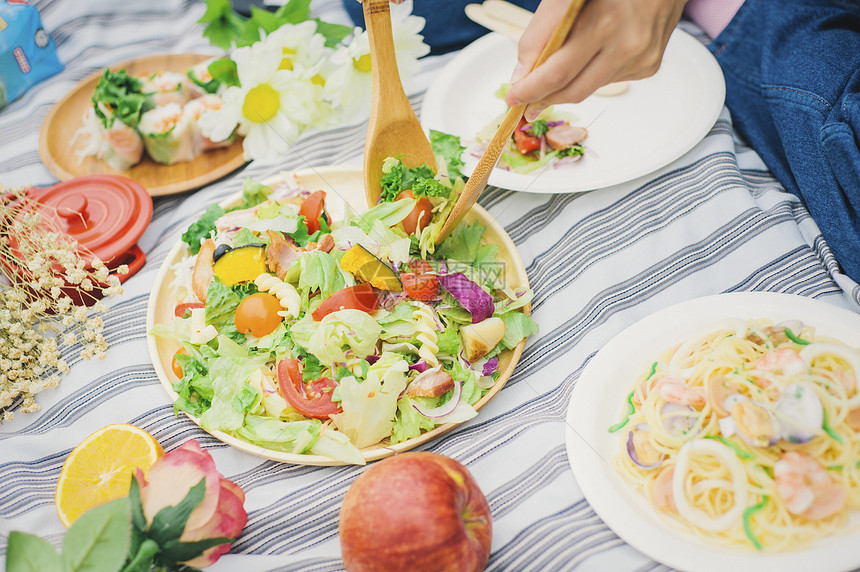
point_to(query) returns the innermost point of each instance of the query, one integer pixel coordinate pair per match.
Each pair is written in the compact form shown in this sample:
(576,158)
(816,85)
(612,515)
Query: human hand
(611,41)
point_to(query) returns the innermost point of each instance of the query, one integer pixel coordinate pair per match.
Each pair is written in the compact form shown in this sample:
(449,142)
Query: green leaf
(294,11)
(29,553)
(266,20)
(176,551)
(170,521)
(254,193)
(99,540)
(450,150)
(539,127)
(137,517)
(118,96)
(202,228)
(223,25)
(224,70)
(334,34)
(249,34)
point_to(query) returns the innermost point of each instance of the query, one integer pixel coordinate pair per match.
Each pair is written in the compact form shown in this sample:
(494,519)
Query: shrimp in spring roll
(200,82)
(165,87)
(120,146)
(166,134)
(194,109)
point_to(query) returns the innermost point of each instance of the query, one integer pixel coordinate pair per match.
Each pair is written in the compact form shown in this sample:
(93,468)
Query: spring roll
(165,87)
(120,146)
(200,81)
(166,134)
(194,109)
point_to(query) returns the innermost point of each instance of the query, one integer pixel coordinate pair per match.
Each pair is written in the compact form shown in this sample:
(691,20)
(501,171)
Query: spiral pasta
(285,292)
(425,325)
(748,435)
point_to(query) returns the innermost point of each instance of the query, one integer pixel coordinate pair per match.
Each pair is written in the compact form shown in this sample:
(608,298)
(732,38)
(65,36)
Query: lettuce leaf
(369,407)
(517,327)
(202,228)
(288,436)
(450,150)
(409,423)
(232,397)
(354,329)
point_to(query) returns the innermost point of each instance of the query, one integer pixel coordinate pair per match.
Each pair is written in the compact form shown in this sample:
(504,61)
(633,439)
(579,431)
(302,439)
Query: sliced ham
(280,254)
(430,383)
(565,135)
(203,272)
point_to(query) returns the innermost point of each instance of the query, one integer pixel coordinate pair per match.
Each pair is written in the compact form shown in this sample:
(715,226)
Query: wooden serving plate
(347,184)
(66,117)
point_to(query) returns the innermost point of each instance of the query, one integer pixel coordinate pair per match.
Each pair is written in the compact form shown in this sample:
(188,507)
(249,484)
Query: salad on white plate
(307,335)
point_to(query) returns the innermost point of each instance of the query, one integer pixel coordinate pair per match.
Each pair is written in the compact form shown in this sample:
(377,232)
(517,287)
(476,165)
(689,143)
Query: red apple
(417,512)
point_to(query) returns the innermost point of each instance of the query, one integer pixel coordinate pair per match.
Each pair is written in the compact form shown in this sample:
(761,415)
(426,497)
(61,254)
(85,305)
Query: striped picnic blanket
(713,221)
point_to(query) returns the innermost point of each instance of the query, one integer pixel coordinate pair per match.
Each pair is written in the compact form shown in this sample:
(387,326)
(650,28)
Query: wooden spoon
(478,180)
(394,130)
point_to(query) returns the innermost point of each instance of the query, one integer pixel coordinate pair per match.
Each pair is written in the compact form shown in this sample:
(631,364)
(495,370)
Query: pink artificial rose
(221,513)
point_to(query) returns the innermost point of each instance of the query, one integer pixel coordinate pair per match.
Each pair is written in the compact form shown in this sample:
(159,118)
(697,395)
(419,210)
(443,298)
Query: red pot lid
(106,214)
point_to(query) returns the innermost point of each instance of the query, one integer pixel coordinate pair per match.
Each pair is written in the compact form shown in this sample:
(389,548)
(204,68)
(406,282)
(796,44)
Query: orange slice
(100,468)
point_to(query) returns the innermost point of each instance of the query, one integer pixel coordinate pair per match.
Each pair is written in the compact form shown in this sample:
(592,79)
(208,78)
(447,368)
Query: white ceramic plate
(654,122)
(598,401)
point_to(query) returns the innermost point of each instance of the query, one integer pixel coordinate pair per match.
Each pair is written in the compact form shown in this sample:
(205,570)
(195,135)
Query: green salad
(308,335)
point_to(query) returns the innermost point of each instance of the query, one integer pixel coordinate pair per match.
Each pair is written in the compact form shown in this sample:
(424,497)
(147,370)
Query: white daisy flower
(270,107)
(350,86)
(305,53)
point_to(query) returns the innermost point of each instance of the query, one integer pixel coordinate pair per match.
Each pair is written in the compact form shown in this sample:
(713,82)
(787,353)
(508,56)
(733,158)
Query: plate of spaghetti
(724,433)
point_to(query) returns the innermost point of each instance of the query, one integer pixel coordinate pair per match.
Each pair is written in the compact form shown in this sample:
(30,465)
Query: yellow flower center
(362,64)
(261,103)
(287,62)
(318,80)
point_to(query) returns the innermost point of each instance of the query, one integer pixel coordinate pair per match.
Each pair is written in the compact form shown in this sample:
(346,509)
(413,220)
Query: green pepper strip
(733,446)
(630,407)
(841,468)
(829,430)
(748,512)
(630,410)
(790,335)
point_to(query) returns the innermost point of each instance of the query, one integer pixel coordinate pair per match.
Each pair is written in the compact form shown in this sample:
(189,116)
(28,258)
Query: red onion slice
(446,408)
(634,456)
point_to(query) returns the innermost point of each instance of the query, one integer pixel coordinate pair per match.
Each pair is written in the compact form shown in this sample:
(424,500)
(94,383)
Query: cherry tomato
(358,297)
(525,143)
(312,209)
(420,266)
(181,309)
(175,365)
(422,287)
(313,399)
(419,216)
(258,314)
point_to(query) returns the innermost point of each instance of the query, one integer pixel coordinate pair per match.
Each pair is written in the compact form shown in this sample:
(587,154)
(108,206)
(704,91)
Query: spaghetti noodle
(748,435)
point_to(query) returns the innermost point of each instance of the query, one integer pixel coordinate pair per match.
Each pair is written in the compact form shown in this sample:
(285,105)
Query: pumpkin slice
(359,262)
(241,264)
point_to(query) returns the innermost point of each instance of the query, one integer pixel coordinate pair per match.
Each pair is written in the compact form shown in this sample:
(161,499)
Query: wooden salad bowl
(347,184)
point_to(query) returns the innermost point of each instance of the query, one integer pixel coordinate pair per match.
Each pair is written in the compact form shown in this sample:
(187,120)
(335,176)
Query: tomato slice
(313,399)
(175,365)
(420,266)
(420,215)
(525,143)
(181,309)
(312,209)
(424,287)
(358,297)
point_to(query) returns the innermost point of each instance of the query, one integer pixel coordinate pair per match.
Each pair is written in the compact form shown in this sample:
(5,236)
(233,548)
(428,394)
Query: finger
(536,35)
(553,75)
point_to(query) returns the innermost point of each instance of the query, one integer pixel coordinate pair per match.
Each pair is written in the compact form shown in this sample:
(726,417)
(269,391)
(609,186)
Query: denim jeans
(792,70)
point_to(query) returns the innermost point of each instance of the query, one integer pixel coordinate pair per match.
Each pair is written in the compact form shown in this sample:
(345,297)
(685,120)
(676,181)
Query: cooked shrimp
(806,487)
(676,391)
(785,361)
(661,492)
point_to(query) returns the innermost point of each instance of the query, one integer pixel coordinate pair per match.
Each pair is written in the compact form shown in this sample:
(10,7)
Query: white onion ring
(446,408)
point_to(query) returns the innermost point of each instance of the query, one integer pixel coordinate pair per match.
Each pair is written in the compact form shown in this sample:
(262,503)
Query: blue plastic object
(28,54)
